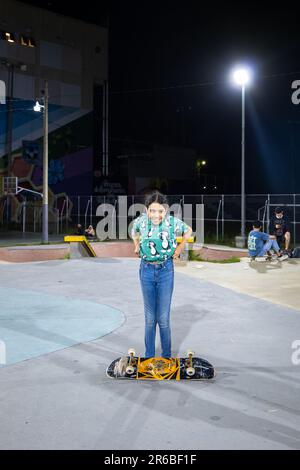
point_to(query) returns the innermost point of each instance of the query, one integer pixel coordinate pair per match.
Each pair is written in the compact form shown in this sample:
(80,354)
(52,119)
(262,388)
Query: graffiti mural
(70,153)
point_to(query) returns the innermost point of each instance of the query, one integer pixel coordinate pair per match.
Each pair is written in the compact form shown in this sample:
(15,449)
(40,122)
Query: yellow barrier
(184,255)
(189,240)
(80,239)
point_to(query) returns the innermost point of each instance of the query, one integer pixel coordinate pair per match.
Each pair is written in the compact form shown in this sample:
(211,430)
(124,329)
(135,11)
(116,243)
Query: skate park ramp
(79,247)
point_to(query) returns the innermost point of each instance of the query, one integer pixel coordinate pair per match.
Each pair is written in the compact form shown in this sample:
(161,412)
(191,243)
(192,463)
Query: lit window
(31,42)
(26,41)
(10,37)
(5,36)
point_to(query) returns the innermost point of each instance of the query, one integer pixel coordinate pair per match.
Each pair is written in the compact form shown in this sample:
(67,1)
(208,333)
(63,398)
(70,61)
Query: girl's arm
(181,245)
(135,235)
(136,241)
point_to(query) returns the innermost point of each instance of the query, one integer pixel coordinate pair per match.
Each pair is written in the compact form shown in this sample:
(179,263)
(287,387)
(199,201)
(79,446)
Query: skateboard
(265,259)
(132,367)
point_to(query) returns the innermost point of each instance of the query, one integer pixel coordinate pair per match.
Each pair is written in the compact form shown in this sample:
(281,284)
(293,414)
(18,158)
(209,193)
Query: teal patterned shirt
(158,242)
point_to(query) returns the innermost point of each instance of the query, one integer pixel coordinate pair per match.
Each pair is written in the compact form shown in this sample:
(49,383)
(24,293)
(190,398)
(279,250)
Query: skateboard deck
(132,367)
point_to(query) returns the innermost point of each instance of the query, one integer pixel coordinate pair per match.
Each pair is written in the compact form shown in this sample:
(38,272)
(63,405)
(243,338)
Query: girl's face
(156,212)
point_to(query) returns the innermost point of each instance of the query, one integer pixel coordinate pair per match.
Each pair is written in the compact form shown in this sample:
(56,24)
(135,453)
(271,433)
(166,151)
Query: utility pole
(45,166)
(105,148)
(9,129)
(242,77)
(243,206)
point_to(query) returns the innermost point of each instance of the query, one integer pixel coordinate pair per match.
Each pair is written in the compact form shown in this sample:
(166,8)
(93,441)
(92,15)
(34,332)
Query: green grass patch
(193,256)
(232,259)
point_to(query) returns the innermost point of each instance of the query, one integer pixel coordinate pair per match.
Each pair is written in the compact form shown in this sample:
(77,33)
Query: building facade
(38,45)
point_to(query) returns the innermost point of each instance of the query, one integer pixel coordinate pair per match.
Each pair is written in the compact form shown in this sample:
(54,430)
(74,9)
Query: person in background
(90,232)
(79,230)
(280,228)
(260,244)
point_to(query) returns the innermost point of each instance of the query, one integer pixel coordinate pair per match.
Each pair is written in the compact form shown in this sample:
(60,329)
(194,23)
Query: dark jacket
(283,223)
(79,231)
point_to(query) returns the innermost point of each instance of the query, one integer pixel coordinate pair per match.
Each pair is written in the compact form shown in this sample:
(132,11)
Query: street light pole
(243,205)
(45,166)
(241,77)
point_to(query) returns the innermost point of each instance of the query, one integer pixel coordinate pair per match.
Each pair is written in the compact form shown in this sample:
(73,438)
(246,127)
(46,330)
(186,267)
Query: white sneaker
(261,259)
(282,257)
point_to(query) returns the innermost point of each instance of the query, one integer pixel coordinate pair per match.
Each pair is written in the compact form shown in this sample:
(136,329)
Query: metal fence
(222,213)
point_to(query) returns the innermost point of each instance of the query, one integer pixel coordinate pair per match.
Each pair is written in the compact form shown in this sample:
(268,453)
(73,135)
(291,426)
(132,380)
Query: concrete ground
(278,282)
(63,399)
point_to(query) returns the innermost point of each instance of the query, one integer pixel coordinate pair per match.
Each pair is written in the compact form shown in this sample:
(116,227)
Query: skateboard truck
(189,369)
(131,362)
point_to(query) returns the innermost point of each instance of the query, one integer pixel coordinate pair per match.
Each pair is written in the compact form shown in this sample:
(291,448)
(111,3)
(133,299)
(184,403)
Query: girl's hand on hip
(177,252)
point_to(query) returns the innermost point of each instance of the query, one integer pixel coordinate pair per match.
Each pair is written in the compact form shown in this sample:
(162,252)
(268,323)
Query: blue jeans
(157,282)
(272,243)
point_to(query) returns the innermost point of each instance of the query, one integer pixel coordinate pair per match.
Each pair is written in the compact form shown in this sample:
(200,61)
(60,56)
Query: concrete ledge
(219,253)
(113,249)
(22,254)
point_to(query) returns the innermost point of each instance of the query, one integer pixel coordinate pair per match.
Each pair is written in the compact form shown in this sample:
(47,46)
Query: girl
(154,235)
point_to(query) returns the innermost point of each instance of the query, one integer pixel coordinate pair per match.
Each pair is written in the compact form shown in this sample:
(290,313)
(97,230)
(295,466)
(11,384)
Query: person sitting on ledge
(260,244)
(280,228)
(90,232)
(79,230)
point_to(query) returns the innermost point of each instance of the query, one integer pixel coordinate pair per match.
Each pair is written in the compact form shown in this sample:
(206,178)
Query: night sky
(168,73)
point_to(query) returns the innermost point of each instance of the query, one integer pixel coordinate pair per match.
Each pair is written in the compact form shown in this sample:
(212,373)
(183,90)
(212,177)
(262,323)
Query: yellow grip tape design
(158,368)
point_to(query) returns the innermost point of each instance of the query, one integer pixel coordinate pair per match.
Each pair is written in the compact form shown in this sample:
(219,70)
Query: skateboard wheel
(190,353)
(131,352)
(129,370)
(190,371)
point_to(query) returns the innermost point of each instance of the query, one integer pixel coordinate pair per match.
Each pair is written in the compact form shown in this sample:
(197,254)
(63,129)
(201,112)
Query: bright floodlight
(241,76)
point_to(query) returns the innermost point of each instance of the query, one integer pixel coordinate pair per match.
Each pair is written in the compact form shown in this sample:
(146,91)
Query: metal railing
(221,209)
